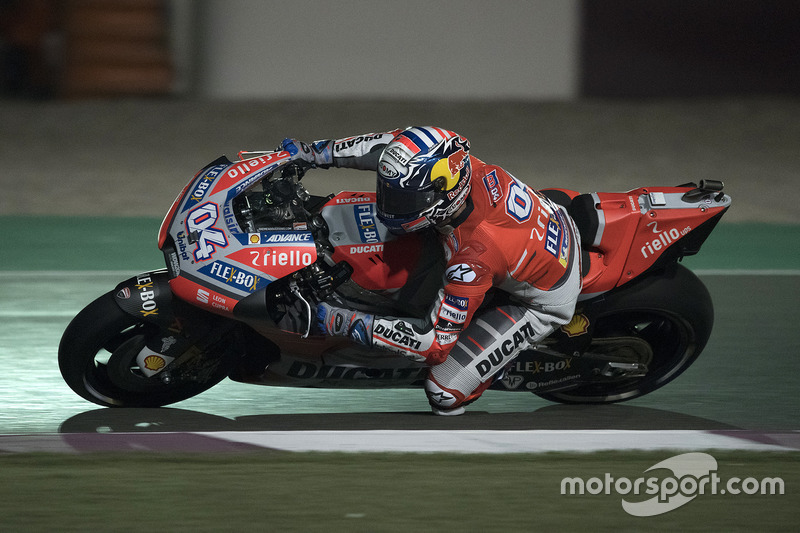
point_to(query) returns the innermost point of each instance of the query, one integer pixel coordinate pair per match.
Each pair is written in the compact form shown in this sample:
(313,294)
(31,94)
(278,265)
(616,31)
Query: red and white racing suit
(510,237)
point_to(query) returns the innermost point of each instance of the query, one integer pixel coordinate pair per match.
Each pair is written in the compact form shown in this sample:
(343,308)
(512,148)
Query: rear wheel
(97,359)
(663,321)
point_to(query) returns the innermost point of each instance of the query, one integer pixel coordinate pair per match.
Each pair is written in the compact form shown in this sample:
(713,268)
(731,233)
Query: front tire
(97,359)
(671,312)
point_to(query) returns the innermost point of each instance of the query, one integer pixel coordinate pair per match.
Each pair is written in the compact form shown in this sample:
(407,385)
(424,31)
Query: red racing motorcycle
(246,246)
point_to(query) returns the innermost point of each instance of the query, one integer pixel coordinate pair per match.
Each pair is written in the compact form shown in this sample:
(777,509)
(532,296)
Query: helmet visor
(393,201)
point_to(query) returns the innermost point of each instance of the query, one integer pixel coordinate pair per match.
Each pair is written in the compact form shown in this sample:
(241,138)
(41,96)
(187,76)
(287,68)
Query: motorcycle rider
(497,233)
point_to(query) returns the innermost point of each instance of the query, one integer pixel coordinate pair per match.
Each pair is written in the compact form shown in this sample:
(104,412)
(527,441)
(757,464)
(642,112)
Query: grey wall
(441,49)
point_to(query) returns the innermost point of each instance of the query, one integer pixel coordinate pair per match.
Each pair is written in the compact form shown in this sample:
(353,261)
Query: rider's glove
(317,154)
(346,322)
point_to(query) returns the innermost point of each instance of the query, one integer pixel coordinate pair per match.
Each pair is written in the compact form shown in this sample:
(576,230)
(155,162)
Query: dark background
(628,48)
(684,48)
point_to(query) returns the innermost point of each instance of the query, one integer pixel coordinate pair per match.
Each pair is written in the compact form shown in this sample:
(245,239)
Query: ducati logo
(403,328)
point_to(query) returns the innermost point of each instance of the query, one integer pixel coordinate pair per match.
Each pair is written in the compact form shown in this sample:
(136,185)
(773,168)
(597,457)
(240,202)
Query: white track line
(407,441)
(527,441)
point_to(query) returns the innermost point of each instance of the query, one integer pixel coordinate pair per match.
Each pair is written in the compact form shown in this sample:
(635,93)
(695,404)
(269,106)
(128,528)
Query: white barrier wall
(464,49)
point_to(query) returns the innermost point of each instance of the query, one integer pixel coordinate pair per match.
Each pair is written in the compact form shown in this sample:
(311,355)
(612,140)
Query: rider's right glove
(317,154)
(346,322)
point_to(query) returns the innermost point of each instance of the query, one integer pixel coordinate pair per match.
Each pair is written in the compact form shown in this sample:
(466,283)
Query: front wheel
(97,359)
(666,319)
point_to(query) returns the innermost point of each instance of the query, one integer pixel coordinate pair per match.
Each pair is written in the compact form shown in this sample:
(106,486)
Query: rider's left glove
(345,322)
(317,154)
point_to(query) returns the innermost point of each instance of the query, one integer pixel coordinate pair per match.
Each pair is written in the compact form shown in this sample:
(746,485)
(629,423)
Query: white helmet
(423,178)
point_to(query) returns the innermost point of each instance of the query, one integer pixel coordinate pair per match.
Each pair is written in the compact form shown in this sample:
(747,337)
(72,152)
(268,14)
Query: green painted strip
(745,246)
(80,243)
(88,243)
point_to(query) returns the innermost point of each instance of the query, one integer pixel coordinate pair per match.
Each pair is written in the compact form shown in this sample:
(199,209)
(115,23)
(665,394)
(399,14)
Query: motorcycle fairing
(346,369)
(214,263)
(146,296)
(625,234)
(638,227)
(381,260)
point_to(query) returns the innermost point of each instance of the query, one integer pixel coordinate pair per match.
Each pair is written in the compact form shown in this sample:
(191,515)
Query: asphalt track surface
(67,164)
(746,379)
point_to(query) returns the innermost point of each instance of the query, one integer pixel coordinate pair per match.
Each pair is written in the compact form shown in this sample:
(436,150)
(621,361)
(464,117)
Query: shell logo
(579,325)
(154,362)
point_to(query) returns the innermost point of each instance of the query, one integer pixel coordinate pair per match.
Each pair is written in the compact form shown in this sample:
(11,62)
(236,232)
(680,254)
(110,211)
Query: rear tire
(97,359)
(672,312)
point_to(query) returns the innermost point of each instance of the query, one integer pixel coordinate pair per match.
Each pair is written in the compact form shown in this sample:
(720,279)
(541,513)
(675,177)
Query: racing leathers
(509,237)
